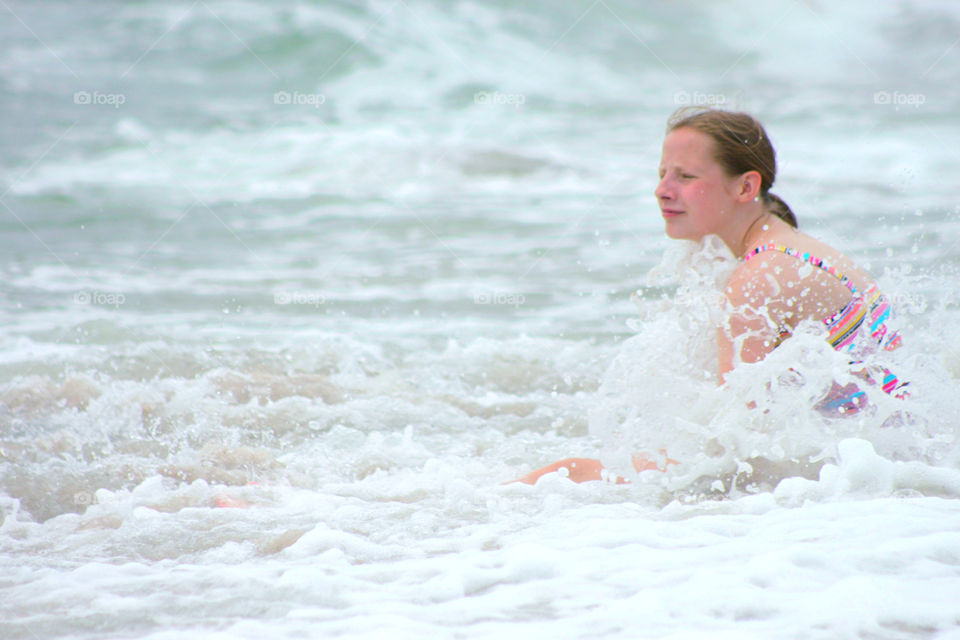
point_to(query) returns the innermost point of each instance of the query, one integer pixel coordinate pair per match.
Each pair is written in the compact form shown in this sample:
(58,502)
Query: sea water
(290,289)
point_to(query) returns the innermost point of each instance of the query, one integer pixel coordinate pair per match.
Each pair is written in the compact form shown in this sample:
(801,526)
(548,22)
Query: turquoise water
(378,258)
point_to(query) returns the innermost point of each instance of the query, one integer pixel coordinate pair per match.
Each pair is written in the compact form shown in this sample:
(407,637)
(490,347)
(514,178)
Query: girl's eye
(687,176)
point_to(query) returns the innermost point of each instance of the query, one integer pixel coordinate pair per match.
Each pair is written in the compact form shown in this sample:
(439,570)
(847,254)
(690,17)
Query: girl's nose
(663,191)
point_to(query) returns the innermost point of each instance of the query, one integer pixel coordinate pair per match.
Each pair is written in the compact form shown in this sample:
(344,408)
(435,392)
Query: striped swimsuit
(861,325)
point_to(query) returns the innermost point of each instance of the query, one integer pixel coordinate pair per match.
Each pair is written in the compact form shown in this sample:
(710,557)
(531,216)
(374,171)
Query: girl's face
(695,195)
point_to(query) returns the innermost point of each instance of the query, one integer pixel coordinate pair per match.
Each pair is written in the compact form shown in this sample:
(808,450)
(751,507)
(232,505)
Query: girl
(716,171)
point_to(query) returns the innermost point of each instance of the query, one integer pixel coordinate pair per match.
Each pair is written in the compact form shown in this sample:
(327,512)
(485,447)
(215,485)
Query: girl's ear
(749,186)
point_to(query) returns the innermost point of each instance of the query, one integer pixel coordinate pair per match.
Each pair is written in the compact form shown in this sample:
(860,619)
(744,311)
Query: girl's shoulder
(754,281)
(804,278)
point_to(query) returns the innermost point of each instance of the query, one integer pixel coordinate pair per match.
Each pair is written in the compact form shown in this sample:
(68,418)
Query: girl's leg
(587,469)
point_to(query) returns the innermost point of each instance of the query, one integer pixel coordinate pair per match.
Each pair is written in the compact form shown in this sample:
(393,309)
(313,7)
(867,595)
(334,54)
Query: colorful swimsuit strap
(806,257)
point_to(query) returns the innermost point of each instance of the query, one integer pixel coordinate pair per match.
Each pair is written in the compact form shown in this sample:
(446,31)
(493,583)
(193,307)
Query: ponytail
(779,208)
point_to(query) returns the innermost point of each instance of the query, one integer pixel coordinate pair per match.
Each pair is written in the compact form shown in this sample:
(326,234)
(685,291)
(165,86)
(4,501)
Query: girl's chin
(677,232)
